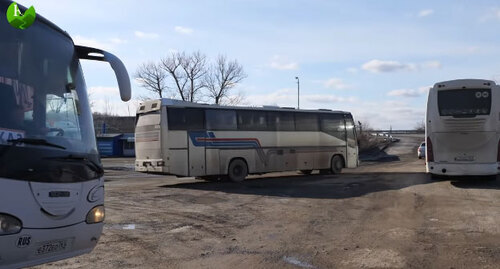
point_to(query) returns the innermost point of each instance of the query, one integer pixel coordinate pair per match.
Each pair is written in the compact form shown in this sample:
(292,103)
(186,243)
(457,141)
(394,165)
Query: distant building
(115,135)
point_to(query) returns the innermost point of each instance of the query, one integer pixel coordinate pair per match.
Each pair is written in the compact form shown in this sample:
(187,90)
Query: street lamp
(298,92)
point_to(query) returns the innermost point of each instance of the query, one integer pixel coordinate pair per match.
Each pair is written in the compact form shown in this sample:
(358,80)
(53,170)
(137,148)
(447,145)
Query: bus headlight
(9,224)
(95,215)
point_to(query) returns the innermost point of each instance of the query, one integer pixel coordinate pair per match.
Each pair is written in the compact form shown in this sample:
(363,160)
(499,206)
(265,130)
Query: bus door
(196,153)
(352,145)
(197,138)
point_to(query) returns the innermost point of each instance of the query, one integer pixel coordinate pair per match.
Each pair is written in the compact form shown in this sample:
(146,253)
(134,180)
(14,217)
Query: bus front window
(45,119)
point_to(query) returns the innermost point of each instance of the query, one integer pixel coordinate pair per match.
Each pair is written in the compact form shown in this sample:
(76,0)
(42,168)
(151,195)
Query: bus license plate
(53,246)
(464,158)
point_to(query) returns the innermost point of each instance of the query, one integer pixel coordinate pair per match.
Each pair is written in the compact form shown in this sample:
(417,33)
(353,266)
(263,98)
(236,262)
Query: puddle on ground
(297,262)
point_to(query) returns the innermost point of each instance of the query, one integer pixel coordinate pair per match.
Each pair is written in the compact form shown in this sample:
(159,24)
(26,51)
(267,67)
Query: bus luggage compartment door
(196,154)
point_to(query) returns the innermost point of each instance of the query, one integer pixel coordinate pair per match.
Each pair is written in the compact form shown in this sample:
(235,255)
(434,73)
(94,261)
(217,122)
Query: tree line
(191,77)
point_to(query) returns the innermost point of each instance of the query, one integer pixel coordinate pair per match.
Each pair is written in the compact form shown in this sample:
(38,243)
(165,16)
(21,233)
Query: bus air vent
(464,124)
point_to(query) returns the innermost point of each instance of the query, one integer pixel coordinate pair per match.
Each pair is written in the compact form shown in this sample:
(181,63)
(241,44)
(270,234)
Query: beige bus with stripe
(212,141)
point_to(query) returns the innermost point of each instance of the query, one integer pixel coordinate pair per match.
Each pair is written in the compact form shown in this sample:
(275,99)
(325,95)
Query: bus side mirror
(121,73)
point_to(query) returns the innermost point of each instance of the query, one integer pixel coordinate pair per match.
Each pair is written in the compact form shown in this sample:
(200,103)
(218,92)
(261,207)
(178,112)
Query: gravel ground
(386,214)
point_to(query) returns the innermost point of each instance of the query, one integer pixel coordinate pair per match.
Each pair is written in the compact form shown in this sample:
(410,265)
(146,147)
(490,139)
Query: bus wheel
(337,164)
(306,172)
(238,170)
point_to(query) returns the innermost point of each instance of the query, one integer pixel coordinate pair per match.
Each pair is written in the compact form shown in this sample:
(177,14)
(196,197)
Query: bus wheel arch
(237,169)
(337,162)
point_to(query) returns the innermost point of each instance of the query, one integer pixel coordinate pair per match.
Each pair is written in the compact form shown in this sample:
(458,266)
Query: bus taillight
(430,152)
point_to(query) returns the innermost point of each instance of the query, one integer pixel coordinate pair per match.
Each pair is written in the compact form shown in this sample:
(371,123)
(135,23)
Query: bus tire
(337,164)
(306,172)
(237,170)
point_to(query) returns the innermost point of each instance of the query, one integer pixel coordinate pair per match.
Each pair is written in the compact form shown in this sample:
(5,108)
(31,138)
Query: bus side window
(351,137)
(252,120)
(333,125)
(280,121)
(176,118)
(195,119)
(306,122)
(185,118)
(220,119)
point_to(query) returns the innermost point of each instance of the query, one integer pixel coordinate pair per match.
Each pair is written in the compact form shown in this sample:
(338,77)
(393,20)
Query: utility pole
(298,92)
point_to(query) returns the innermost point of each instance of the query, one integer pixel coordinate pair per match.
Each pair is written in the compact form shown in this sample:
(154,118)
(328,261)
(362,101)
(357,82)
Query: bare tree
(108,108)
(420,126)
(233,100)
(91,100)
(173,66)
(194,67)
(152,77)
(222,77)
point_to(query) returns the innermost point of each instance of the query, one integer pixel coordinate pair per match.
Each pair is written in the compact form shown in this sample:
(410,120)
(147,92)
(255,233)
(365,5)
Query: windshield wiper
(90,163)
(34,141)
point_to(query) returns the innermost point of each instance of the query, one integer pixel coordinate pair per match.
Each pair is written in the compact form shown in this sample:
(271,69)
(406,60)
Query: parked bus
(208,141)
(51,185)
(462,128)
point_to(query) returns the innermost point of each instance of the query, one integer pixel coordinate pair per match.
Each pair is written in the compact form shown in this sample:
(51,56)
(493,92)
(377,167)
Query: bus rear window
(464,102)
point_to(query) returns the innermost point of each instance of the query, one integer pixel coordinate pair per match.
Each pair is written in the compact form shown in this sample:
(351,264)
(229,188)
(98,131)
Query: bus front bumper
(37,246)
(463,169)
(150,165)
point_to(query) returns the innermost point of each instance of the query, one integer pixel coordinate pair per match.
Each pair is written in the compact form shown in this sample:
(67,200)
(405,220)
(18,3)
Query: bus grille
(464,124)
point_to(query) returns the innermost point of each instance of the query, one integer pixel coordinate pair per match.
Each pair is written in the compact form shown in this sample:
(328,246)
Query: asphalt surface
(385,214)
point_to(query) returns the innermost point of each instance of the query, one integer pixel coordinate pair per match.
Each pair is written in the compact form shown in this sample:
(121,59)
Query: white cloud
(288,98)
(328,98)
(91,42)
(183,30)
(336,84)
(492,14)
(378,66)
(145,35)
(102,90)
(282,63)
(431,64)
(404,93)
(117,41)
(410,92)
(352,70)
(425,12)
(383,115)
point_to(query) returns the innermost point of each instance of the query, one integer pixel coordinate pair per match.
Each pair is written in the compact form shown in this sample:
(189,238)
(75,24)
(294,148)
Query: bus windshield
(464,102)
(45,118)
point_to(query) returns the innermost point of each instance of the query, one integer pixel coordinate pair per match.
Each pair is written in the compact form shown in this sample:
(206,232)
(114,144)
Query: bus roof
(151,105)
(465,83)
(4,4)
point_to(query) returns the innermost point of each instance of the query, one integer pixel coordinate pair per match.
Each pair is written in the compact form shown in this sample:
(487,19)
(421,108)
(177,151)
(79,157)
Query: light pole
(298,92)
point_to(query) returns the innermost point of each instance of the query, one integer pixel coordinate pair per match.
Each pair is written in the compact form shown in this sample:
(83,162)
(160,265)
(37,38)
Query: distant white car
(421,151)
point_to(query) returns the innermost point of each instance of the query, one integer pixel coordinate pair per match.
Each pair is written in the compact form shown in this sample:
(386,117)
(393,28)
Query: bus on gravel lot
(462,127)
(51,185)
(208,141)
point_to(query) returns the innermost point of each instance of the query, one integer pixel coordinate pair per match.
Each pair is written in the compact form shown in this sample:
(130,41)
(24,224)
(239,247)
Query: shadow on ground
(492,183)
(314,186)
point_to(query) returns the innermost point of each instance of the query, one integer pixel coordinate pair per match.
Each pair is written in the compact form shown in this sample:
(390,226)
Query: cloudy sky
(376,59)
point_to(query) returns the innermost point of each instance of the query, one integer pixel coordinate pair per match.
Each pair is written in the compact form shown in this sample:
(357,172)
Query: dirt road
(382,214)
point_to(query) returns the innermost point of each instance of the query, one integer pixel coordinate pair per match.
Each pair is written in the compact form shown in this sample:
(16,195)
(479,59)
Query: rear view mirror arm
(121,73)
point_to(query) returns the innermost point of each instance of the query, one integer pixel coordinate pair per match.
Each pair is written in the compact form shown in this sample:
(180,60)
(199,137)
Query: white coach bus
(208,141)
(51,185)
(462,126)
